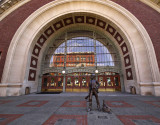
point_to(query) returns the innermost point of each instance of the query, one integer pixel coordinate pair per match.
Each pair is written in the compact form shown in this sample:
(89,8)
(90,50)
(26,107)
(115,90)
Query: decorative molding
(15,85)
(58,25)
(32,75)
(146,85)
(68,21)
(36,50)
(48,32)
(127,61)
(42,38)
(9,6)
(90,20)
(80,19)
(124,48)
(118,38)
(34,62)
(129,74)
(85,69)
(149,84)
(151,4)
(111,30)
(101,23)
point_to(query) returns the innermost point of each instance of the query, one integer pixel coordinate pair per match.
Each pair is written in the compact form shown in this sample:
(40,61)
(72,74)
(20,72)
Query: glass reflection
(76,82)
(82,50)
(60,83)
(109,81)
(84,82)
(116,81)
(53,82)
(69,83)
(101,81)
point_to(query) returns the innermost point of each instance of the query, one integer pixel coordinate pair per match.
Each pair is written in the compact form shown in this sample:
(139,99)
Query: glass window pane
(53,83)
(76,82)
(60,82)
(45,82)
(84,82)
(80,50)
(116,81)
(109,81)
(69,83)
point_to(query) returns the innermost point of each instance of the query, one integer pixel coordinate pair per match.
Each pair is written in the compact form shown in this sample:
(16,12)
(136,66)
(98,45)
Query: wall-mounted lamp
(63,72)
(96,71)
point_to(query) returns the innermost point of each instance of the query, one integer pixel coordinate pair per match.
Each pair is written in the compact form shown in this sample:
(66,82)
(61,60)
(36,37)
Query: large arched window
(81,51)
(74,57)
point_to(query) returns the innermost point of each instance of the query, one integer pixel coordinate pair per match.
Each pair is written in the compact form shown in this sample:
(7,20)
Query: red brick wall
(8,26)
(148,17)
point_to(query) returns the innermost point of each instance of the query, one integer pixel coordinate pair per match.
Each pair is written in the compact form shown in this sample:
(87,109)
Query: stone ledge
(150,84)
(17,85)
(7,4)
(150,88)
(152,4)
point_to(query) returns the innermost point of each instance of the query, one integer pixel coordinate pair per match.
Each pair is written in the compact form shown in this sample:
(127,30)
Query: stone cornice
(151,4)
(16,85)
(149,84)
(9,6)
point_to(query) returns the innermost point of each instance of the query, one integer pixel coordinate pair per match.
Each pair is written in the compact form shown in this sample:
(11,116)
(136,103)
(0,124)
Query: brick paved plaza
(70,109)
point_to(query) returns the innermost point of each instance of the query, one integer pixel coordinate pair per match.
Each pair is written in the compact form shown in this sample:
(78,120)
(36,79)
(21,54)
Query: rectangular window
(58,58)
(84,58)
(0,54)
(91,58)
(45,82)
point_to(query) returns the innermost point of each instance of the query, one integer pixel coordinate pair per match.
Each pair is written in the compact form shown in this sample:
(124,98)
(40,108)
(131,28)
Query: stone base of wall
(157,88)
(150,88)
(17,89)
(10,89)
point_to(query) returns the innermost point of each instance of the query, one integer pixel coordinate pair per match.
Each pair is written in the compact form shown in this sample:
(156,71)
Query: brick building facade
(83,59)
(27,27)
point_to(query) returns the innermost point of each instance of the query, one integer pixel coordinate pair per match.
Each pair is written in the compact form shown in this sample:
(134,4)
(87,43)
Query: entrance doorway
(79,55)
(52,83)
(79,82)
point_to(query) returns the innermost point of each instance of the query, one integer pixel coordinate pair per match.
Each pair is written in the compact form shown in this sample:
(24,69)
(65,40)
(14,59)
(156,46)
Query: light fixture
(96,71)
(63,72)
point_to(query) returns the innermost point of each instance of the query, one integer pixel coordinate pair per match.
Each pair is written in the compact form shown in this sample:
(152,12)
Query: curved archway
(135,37)
(80,56)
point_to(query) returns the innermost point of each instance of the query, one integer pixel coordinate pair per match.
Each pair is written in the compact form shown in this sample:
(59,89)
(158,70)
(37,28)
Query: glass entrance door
(45,83)
(117,82)
(69,83)
(80,83)
(101,80)
(53,82)
(59,85)
(84,83)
